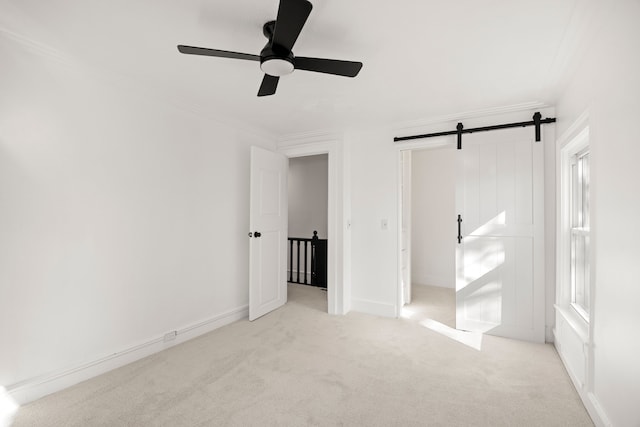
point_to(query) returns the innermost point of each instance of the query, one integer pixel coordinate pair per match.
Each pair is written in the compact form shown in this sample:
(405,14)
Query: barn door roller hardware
(537,121)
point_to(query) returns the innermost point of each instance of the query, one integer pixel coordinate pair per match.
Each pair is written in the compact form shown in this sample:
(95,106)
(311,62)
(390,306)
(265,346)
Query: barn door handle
(257,234)
(459,229)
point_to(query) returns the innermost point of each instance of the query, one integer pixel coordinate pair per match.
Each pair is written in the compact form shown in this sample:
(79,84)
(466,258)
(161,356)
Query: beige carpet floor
(432,302)
(298,366)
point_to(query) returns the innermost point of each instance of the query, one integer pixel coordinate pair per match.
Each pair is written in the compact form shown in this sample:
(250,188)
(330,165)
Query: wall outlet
(170,336)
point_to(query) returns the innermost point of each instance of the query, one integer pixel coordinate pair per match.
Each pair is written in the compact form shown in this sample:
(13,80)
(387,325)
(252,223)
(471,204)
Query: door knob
(257,234)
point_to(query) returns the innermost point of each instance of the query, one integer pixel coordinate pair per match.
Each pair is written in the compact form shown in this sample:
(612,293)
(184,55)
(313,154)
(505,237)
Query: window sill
(584,316)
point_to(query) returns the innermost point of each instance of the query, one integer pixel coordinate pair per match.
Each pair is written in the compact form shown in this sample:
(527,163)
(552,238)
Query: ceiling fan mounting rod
(268,28)
(271,49)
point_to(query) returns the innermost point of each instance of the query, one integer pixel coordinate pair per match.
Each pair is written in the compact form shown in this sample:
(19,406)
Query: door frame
(406,228)
(480,118)
(338,297)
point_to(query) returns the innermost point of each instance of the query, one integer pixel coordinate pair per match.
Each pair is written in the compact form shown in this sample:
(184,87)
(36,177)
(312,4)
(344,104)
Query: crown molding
(574,129)
(309,137)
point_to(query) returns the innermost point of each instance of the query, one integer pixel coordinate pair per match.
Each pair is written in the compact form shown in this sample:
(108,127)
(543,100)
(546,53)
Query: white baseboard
(373,307)
(595,410)
(34,388)
(589,400)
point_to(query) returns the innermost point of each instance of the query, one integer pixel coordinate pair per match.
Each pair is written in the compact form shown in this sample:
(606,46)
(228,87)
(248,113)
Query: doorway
(428,234)
(499,248)
(308,225)
(338,292)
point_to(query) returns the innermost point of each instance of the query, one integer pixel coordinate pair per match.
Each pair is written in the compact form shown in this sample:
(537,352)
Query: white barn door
(268,232)
(499,261)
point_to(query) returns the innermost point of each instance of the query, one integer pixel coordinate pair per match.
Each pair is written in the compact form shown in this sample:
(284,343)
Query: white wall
(308,189)
(374,175)
(120,218)
(605,83)
(433,242)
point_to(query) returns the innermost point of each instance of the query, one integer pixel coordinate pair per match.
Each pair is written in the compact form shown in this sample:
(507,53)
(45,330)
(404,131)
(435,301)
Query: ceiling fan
(277,58)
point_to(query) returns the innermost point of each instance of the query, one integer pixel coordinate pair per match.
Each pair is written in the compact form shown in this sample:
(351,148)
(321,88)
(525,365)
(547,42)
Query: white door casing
(500,261)
(405,248)
(338,242)
(268,232)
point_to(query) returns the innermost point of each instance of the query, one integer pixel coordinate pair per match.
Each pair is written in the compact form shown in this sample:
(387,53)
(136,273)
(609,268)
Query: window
(579,232)
(574,265)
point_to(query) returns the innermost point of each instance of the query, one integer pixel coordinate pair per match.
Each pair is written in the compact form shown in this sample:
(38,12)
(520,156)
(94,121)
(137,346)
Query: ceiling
(421,59)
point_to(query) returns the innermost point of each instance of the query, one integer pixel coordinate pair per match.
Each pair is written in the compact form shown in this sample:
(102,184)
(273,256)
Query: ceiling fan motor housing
(275,60)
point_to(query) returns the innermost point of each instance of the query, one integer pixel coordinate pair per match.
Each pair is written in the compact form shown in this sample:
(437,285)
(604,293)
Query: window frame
(575,148)
(579,227)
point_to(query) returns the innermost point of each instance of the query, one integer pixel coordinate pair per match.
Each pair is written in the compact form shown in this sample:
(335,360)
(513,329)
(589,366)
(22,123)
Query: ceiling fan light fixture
(277,67)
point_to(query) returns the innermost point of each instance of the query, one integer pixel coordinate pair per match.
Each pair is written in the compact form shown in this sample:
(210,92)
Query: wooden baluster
(298,270)
(290,260)
(314,243)
(305,261)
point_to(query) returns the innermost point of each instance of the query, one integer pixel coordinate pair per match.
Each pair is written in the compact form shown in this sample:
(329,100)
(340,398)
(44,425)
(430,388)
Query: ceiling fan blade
(292,15)
(192,50)
(328,66)
(269,85)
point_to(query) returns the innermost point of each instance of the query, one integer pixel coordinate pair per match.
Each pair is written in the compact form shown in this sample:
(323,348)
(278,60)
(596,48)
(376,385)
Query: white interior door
(268,232)
(499,262)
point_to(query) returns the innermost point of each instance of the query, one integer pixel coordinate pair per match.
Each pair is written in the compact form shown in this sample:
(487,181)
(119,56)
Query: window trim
(578,221)
(577,143)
